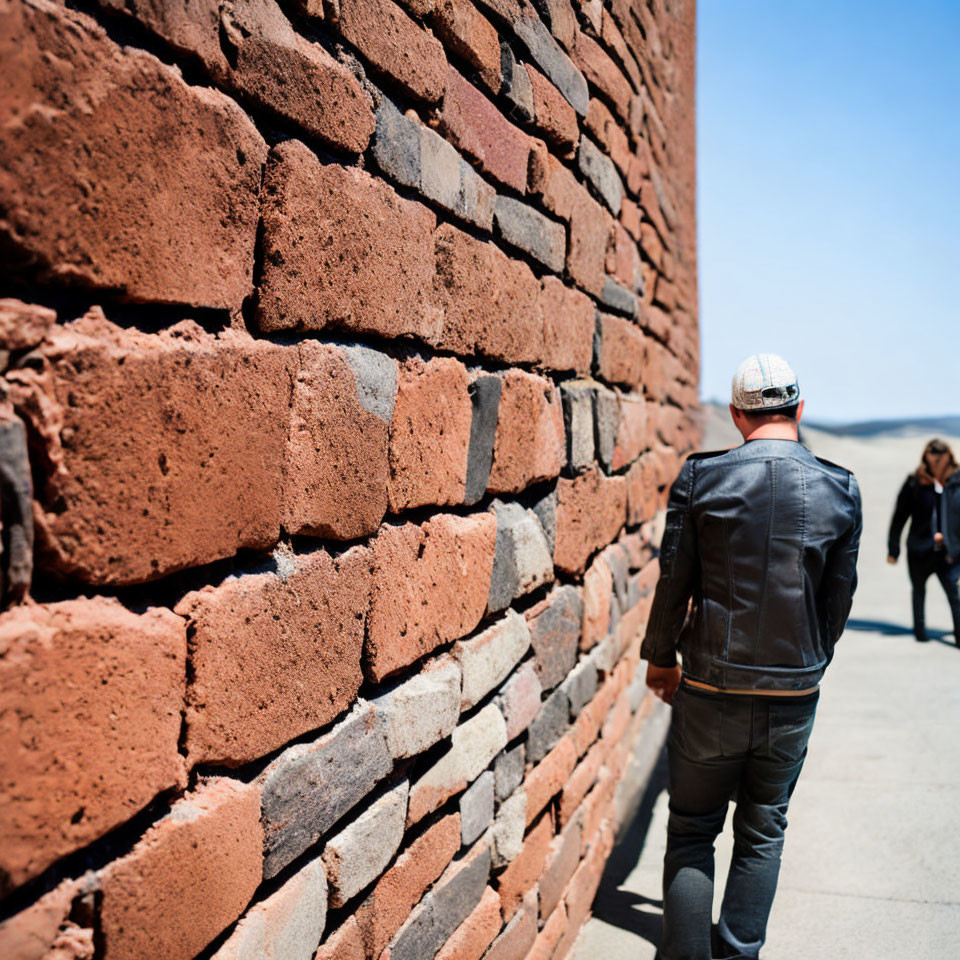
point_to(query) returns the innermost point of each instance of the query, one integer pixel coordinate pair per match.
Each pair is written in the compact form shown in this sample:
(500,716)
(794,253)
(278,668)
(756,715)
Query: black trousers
(922,566)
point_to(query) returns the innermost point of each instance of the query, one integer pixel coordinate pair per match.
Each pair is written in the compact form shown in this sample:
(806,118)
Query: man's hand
(891,559)
(663,681)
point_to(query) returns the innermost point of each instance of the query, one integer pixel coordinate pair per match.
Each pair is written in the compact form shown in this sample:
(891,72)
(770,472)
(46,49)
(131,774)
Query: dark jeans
(921,567)
(724,747)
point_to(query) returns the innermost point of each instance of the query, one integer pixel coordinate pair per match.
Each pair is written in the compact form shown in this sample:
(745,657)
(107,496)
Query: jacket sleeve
(679,569)
(900,515)
(840,577)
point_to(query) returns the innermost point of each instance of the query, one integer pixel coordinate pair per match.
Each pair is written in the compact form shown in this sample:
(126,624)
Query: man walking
(763,539)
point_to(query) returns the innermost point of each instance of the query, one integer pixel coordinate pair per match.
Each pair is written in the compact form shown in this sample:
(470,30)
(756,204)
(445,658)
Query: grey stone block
(619,565)
(519,699)
(515,84)
(360,852)
(637,691)
(554,63)
(508,770)
(545,510)
(488,658)
(508,829)
(617,297)
(485,399)
(476,808)
(443,909)
(606,415)
(577,400)
(439,169)
(477,197)
(548,726)
(396,145)
(600,170)
(376,376)
(555,635)
(523,559)
(529,230)
(310,786)
(581,686)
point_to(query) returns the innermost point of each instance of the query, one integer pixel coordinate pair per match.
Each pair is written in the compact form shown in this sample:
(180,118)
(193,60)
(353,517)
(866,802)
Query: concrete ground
(871,867)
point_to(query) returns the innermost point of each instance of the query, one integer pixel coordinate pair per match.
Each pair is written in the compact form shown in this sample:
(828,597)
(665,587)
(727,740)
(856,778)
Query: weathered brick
(586,879)
(23,325)
(430,434)
(615,41)
(602,124)
(529,444)
(597,591)
(358,854)
(430,586)
(561,19)
(548,937)
(341,249)
(606,414)
(272,656)
(548,726)
(485,403)
(620,351)
(311,785)
(39,930)
(448,904)
(345,943)
(530,231)
(416,714)
(509,827)
(287,925)
(642,492)
(477,198)
(524,560)
(598,168)
(197,419)
(424,859)
(581,780)
(398,47)
(336,471)
(476,808)
(630,218)
(117,198)
(517,938)
(67,782)
(475,126)
(469,34)
(577,396)
(590,227)
(396,145)
(485,660)
(525,869)
(474,744)
(476,933)
(623,260)
(488,302)
(568,326)
(603,73)
(557,66)
(617,297)
(631,430)
(519,699)
(188,878)
(555,633)
(439,169)
(554,116)
(508,770)
(551,181)
(562,861)
(581,685)
(546,779)
(591,509)
(515,84)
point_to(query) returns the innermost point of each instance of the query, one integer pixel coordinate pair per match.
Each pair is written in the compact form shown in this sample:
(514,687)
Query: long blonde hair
(936,447)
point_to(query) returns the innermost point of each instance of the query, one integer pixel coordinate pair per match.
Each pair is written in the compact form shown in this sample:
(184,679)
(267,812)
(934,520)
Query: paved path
(872,860)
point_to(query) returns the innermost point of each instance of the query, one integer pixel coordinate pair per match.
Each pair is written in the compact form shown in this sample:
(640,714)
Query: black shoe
(921,637)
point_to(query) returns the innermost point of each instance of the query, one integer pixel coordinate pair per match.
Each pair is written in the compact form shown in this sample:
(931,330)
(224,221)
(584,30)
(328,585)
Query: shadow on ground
(897,630)
(622,908)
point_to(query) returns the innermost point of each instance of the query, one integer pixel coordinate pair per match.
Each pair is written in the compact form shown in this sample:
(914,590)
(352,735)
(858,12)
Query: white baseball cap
(765,382)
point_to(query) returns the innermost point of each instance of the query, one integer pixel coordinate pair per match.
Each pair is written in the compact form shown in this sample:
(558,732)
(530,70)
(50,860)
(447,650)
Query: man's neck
(773,431)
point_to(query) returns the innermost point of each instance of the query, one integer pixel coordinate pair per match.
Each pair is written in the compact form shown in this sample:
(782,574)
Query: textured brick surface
(549,725)
(489,657)
(554,115)
(621,353)
(548,776)
(524,871)
(555,634)
(591,509)
(509,827)
(508,770)
(568,327)
(523,227)
(476,808)
(66,784)
(523,559)
(518,936)
(477,932)
(345,943)
(519,699)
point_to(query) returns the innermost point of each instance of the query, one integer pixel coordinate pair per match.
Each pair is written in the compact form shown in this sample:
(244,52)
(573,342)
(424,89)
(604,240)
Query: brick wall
(348,350)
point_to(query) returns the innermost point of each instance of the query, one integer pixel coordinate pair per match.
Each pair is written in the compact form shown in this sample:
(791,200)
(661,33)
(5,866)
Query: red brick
(632,430)
(614,40)
(580,781)
(602,124)
(597,591)
(395,45)
(652,211)
(623,259)
(196,419)
(518,936)
(630,218)
(273,658)
(591,509)
(345,943)
(617,722)
(549,936)
(554,116)
(561,863)
(190,876)
(474,125)
(585,730)
(554,634)
(476,933)
(650,244)
(471,36)
(92,695)
(544,781)
(590,227)
(395,894)
(117,197)
(552,182)
(603,73)
(43,930)
(23,325)
(642,491)
(529,444)
(525,869)
(430,586)
(583,886)
(489,302)
(430,434)
(568,325)
(622,355)
(342,250)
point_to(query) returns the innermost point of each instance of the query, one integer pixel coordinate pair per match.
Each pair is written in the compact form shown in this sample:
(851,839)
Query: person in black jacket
(930,499)
(757,574)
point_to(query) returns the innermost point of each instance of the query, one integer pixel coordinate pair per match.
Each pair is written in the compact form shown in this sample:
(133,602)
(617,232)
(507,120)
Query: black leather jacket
(764,539)
(915,502)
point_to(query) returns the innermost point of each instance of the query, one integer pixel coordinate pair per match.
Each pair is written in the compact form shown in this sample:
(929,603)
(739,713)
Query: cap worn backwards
(765,382)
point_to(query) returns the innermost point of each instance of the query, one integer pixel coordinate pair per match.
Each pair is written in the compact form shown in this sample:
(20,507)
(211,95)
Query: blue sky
(829,199)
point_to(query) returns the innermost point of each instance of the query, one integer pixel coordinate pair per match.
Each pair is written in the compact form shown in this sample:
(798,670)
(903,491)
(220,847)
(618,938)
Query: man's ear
(735,414)
(799,410)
